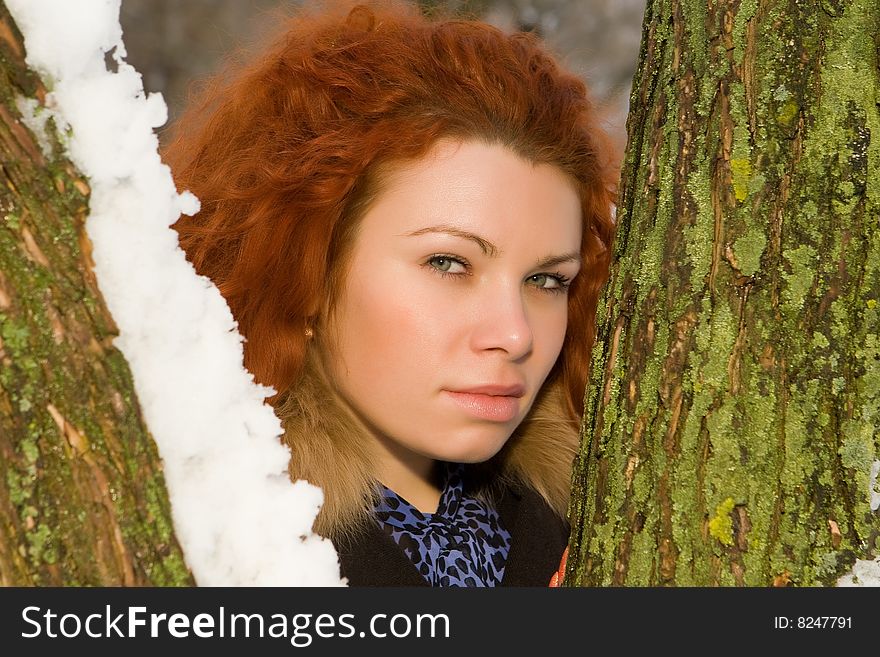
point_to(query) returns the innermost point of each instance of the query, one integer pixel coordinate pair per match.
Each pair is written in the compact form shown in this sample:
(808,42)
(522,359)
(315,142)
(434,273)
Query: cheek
(388,328)
(553,329)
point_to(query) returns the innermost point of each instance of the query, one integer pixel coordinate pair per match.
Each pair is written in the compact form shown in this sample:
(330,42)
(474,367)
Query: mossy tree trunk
(82,497)
(734,409)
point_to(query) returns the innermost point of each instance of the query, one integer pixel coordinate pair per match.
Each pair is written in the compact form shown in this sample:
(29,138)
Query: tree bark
(82,496)
(733,413)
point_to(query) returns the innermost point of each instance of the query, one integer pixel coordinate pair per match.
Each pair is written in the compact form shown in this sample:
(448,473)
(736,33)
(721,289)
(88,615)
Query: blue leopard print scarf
(462,544)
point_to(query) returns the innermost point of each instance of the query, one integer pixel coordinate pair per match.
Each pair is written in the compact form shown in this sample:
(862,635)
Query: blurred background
(175,42)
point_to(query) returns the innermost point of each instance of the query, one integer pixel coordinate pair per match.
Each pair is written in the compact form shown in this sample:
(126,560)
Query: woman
(411,222)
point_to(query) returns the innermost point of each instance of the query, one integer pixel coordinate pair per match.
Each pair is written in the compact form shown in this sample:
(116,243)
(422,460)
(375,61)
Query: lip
(494,390)
(493,402)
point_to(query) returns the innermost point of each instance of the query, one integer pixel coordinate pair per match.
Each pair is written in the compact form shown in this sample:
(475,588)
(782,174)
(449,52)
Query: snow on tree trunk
(238,517)
(82,495)
(733,415)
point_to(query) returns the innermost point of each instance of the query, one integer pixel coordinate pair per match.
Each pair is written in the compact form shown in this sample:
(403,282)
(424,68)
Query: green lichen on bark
(732,417)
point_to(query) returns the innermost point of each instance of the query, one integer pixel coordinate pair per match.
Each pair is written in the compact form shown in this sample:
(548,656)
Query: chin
(474,449)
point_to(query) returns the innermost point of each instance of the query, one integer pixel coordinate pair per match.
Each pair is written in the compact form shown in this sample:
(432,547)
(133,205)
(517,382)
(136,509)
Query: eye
(553,283)
(542,280)
(447,264)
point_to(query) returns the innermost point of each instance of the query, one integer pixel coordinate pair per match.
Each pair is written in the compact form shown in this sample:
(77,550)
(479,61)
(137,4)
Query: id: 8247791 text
(812,622)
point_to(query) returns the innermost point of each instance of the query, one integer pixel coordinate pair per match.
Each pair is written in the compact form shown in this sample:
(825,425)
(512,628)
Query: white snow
(34,116)
(238,517)
(864,573)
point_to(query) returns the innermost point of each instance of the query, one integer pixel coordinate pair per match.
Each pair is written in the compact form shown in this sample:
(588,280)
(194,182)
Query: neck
(414,477)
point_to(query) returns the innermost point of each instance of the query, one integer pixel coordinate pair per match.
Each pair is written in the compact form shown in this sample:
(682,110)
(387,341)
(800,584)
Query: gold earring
(309,333)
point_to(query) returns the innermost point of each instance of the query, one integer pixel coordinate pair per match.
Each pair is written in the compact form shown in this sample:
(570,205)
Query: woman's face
(454,308)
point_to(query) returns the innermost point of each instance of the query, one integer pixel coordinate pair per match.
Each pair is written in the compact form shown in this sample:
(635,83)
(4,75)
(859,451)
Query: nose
(502,322)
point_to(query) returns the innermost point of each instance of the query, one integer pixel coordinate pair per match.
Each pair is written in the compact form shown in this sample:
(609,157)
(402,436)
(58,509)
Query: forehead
(478,187)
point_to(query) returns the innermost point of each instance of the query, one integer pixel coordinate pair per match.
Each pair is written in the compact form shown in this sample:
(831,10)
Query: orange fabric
(559,575)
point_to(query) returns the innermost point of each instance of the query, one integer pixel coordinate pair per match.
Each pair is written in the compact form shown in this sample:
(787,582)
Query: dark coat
(538,538)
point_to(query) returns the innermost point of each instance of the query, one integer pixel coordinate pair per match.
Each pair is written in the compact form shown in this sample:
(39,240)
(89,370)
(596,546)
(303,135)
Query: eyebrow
(486,246)
(490,249)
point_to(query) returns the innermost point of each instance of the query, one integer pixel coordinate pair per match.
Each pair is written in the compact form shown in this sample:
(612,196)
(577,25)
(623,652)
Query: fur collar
(330,448)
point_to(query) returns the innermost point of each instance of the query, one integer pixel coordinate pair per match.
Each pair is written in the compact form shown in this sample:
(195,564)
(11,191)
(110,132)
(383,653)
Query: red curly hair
(287,156)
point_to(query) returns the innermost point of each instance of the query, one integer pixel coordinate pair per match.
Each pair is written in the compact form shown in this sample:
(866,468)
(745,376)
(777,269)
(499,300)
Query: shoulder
(370,557)
(538,537)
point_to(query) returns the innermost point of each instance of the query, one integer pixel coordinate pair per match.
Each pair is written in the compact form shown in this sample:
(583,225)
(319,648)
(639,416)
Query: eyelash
(563,281)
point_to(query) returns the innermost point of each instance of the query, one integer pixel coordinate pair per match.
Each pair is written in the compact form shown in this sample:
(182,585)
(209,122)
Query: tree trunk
(733,413)
(82,497)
